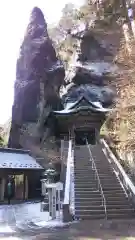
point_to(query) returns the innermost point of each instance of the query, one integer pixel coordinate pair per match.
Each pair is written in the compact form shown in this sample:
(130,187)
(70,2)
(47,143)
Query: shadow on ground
(86,230)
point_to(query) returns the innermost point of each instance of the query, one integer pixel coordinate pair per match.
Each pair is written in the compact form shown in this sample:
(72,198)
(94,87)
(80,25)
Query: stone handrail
(64,154)
(124,178)
(67,184)
(66,204)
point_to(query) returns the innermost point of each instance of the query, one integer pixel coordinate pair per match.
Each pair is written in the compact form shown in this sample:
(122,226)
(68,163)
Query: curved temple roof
(73,107)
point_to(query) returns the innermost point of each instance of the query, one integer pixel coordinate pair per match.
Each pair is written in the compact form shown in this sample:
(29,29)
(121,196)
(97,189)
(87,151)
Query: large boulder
(90,71)
(39,75)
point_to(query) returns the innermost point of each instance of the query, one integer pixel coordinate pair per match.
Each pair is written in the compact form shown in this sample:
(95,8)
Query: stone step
(101,207)
(92,181)
(85,180)
(87,195)
(85,183)
(97,202)
(106,173)
(121,210)
(95,182)
(89,208)
(111,188)
(88,212)
(90,164)
(83,167)
(87,161)
(87,172)
(119,198)
(83,217)
(86,190)
(109,200)
(94,193)
(90,169)
(88,202)
(116,197)
(90,199)
(102,216)
(102,180)
(81,158)
(105,189)
(107,195)
(85,187)
(105,177)
(89,186)
(94,177)
(103,163)
(114,191)
(92,172)
(91,178)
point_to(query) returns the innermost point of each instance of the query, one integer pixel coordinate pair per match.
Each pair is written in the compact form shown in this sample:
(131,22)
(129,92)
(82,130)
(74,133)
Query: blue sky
(14,17)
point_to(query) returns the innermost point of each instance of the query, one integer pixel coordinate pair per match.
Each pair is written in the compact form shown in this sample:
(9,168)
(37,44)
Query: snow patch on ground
(35,219)
(51,223)
(6,229)
(27,217)
(48,222)
(10,238)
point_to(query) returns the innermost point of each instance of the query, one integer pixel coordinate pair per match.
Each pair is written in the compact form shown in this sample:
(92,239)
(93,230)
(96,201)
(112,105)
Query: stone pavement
(90,230)
(18,222)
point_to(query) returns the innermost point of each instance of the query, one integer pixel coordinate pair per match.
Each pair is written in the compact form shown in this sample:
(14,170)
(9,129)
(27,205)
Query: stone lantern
(50,175)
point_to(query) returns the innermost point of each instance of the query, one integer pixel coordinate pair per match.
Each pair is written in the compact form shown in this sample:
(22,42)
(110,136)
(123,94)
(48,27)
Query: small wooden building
(24,174)
(79,120)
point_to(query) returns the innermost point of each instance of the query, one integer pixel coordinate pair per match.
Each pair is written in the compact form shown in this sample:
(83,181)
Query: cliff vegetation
(113,28)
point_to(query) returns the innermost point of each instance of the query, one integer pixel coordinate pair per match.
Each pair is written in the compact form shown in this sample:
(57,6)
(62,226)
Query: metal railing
(124,179)
(72,195)
(98,179)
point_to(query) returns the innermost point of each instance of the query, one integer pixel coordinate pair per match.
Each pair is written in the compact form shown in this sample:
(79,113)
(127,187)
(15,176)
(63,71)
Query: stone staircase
(89,195)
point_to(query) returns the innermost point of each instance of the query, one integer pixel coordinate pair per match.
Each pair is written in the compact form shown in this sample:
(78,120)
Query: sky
(14,17)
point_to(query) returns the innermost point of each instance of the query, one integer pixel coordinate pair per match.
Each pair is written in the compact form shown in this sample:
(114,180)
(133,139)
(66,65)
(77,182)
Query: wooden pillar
(26,187)
(71,133)
(97,135)
(2,189)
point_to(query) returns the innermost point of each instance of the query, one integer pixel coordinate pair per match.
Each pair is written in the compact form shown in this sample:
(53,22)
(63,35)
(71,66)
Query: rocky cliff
(39,75)
(90,71)
(41,86)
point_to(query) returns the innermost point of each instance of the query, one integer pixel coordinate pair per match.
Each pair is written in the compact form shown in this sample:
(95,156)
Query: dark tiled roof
(14,150)
(19,159)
